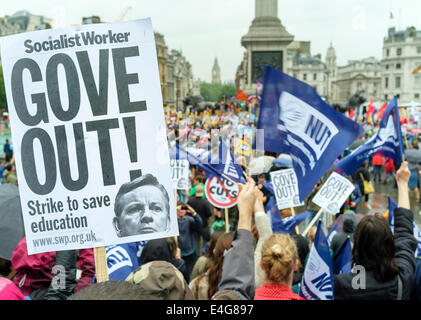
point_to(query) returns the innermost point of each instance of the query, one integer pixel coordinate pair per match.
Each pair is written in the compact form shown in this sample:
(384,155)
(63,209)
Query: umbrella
(11,224)
(339,222)
(261,165)
(283,161)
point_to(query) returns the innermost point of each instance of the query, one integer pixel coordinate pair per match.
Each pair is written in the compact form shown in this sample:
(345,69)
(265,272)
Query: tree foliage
(3,101)
(216,92)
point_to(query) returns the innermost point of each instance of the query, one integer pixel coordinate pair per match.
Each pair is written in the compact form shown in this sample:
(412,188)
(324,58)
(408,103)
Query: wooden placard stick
(100,264)
(293,214)
(312,222)
(226,221)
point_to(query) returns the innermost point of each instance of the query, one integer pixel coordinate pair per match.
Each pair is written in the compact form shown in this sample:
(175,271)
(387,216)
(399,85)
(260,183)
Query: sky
(205,29)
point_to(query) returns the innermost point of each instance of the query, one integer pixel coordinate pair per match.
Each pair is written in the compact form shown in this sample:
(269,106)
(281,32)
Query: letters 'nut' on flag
(297,121)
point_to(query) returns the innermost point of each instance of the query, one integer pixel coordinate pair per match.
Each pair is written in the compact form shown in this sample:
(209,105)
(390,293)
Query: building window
(386,83)
(417,82)
(387,67)
(387,52)
(416,96)
(397,82)
(398,96)
(305,76)
(418,50)
(314,76)
(398,66)
(399,51)
(385,97)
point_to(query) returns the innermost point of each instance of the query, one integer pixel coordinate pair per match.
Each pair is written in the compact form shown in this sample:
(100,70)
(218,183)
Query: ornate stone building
(306,67)
(363,76)
(23,21)
(401,65)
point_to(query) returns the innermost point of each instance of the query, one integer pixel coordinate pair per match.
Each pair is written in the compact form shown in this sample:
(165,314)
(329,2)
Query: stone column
(266,8)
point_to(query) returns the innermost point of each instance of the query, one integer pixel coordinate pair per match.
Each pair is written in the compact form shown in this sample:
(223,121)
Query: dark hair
(374,248)
(212,242)
(200,178)
(110,290)
(215,269)
(145,180)
(215,265)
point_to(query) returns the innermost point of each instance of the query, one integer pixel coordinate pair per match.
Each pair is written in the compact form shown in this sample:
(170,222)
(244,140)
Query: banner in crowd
(317,281)
(89,131)
(298,122)
(180,174)
(343,258)
(285,187)
(333,193)
(387,141)
(332,233)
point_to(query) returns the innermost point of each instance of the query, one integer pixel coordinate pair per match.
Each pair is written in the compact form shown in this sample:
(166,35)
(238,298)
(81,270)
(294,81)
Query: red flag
(351,114)
(241,95)
(381,111)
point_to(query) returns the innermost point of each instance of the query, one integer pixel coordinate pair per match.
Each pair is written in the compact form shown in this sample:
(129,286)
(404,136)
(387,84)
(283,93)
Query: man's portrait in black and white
(141,206)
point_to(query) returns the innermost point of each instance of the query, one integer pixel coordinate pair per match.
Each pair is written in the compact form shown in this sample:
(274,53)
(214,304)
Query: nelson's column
(266,43)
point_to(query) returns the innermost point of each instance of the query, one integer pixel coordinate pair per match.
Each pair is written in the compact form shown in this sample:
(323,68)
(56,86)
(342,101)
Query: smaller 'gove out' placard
(333,193)
(285,186)
(180,173)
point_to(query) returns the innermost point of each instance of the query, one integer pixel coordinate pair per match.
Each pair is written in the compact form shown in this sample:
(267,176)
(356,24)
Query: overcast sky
(205,29)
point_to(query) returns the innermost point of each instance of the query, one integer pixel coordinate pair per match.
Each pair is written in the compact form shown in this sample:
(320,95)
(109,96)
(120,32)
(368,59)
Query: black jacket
(405,258)
(203,209)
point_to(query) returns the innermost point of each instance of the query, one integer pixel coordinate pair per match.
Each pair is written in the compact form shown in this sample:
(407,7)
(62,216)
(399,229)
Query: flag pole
(312,222)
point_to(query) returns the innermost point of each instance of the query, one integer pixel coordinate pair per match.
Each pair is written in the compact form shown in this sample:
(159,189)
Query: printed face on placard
(143,210)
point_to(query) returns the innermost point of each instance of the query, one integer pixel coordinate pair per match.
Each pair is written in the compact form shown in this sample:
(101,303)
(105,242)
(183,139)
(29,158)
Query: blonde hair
(279,254)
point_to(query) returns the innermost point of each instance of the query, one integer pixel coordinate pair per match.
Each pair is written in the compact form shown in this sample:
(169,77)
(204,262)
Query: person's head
(181,210)
(199,179)
(110,290)
(303,249)
(160,280)
(199,191)
(414,143)
(156,250)
(141,206)
(212,243)
(261,178)
(217,212)
(216,261)
(374,248)
(349,223)
(7,141)
(173,245)
(279,259)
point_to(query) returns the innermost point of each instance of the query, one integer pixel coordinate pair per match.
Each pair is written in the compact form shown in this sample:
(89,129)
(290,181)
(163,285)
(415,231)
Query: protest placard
(221,193)
(180,173)
(285,187)
(333,193)
(87,121)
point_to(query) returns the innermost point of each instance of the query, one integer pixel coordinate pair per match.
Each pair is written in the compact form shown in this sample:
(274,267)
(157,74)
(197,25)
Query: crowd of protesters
(245,260)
